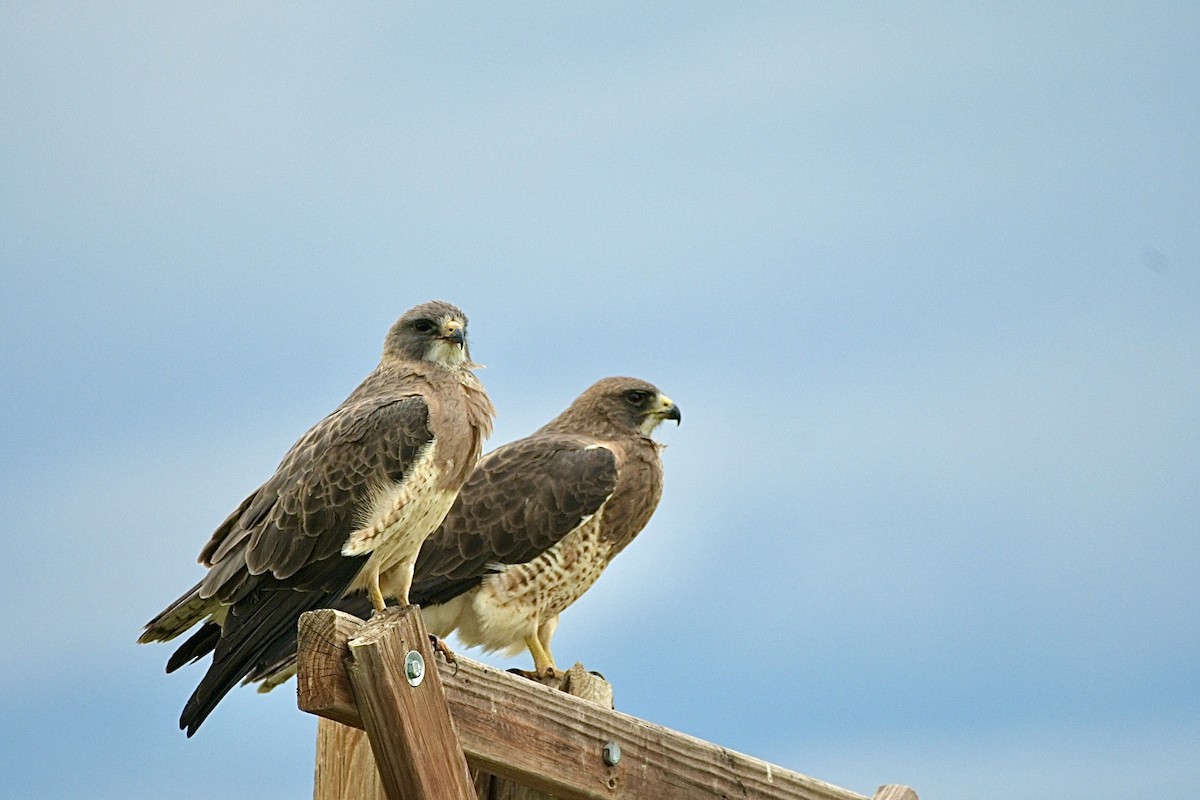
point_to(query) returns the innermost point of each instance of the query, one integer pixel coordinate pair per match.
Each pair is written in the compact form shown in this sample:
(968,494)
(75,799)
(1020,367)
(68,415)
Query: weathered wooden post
(526,734)
(345,764)
(577,682)
(894,791)
(398,692)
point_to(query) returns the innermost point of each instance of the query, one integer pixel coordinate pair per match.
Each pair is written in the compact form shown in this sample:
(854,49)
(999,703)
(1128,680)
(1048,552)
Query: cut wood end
(588,686)
(379,624)
(325,629)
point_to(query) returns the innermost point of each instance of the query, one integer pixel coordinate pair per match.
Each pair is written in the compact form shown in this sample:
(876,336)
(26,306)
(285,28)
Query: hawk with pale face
(535,525)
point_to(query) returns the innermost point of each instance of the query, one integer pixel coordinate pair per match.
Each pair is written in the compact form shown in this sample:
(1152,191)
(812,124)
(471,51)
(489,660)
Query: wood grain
(323,688)
(412,736)
(345,764)
(577,682)
(548,741)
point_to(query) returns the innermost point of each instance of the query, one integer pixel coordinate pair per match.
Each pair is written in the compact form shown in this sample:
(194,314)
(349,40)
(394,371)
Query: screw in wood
(414,668)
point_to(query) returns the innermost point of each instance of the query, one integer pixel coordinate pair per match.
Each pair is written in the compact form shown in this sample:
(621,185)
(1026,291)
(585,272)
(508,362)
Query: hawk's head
(435,331)
(628,403)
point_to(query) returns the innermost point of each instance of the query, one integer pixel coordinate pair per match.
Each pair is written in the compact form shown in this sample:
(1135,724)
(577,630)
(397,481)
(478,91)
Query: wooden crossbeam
(552,742)
(399,694)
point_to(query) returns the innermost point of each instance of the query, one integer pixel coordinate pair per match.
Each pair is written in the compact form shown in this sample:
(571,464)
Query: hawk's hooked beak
(453,331)
(666,409)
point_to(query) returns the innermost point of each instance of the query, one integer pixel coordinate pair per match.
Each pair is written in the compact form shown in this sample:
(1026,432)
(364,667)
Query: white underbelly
(399,517)
(510,605)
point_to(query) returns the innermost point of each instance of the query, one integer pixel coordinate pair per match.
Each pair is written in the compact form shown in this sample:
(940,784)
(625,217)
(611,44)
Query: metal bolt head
(612,753)
(414,668)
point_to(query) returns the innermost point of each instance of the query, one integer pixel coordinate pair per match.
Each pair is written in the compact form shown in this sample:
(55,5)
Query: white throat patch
(448,354)
(649,423)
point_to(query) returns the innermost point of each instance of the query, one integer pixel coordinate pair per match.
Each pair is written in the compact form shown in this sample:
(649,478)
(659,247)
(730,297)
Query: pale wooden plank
(549,741)
(577,682)
(345,765)
(412,736)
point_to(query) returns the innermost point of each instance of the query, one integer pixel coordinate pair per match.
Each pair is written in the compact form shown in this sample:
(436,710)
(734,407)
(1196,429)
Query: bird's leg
(403,575)
(440,646)
(543,662)
(373,589)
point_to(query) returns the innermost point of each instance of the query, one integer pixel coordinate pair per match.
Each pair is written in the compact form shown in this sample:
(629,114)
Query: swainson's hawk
(346,510)
(537,522)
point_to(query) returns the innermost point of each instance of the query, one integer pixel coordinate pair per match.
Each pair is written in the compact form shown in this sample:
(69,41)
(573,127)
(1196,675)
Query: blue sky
(924,280)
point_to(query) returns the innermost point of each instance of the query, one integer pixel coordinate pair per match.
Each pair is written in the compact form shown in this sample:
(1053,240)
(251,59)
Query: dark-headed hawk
(346,510)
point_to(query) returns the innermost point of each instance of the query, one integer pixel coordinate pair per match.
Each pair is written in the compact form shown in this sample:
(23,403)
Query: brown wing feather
(302,515)
(521,500)
(282,556)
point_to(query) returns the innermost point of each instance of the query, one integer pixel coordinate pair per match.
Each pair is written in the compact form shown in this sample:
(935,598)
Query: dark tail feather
(251,630)
(282,655)
(255,626)
(198,645)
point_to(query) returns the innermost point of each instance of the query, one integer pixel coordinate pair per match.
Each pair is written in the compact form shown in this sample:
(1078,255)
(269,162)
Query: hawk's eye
(423,326)
(636,397)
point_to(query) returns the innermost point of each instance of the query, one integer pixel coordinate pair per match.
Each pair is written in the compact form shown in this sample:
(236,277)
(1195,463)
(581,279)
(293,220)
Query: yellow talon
(543,662)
